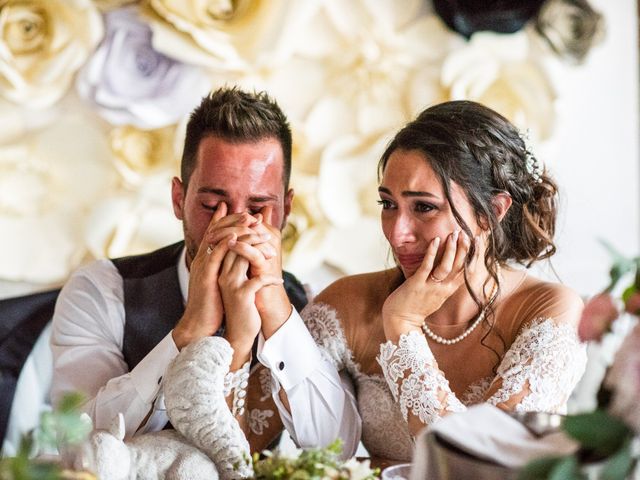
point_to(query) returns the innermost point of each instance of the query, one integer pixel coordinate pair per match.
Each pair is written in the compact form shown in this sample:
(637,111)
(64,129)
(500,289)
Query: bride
(463,200)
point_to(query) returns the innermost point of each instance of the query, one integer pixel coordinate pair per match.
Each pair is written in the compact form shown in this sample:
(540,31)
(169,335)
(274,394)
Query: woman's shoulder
(536,300)
(356,296)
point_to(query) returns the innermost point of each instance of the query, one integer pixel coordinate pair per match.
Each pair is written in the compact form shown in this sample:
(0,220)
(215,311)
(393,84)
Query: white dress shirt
(87,338)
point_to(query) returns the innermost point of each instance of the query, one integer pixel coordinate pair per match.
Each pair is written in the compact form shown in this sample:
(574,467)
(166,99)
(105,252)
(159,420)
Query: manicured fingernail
(436,241)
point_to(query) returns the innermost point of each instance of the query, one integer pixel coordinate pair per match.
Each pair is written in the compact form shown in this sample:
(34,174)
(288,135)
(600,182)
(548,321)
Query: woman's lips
(410,260)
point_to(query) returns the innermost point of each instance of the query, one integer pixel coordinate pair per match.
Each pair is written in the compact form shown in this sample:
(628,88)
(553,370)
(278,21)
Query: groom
(119,323)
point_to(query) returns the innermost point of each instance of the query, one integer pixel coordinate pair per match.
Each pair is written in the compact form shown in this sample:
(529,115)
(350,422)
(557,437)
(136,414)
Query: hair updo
(481,151)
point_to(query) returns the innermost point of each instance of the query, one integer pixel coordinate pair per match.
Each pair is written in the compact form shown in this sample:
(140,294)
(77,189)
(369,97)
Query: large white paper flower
(133,222)
(46,185)
(219,34)
(372,53)
(140,153)
(131,83)
(42,44)
(499,71)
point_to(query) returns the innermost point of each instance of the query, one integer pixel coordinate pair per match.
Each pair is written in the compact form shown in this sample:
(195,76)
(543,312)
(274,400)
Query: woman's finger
(443,269)
(429,258)
(461,252)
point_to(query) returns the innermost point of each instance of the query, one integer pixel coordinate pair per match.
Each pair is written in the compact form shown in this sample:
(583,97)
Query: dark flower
(502,16)
(571,27)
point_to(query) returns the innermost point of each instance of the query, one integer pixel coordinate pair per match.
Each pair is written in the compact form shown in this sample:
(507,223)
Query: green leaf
(597,431)
(71,403)
(619,465)
(566,469)
(630,290)
(539,469)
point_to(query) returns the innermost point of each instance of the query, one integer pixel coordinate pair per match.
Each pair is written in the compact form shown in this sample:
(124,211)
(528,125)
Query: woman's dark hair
(481,151)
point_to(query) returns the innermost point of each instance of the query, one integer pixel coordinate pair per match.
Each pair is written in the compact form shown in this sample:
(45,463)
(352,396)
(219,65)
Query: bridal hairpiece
(533,165)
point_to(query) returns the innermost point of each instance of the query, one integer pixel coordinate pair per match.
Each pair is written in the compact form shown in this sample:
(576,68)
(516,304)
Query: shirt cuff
(147,375)
(290,353)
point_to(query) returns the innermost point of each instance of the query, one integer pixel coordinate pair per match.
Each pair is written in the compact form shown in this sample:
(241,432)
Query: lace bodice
(538,372)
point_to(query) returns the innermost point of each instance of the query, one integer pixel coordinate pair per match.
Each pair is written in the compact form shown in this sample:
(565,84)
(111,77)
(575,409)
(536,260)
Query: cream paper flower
(46,186)
(500,71)
(134,222)
(106,5)
(42,44)
(219,34)
(140,153)
(373,52)
(335,217)
(130,83)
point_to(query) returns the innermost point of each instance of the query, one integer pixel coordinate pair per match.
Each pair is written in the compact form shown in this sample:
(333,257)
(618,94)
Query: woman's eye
(386,204)
(423,207)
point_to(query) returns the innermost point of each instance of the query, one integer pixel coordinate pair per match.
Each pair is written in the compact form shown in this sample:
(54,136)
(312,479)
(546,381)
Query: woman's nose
(402,231)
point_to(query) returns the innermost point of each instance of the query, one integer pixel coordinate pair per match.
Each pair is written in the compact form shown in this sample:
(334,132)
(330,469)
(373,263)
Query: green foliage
(598,431)
(312,464)
(64,426)
(58,429)
(620,267)
(22,467)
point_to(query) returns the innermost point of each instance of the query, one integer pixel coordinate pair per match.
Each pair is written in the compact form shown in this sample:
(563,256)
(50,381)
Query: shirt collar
(183,275)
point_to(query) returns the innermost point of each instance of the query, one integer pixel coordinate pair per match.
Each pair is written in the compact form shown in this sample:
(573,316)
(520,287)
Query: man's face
(245,176)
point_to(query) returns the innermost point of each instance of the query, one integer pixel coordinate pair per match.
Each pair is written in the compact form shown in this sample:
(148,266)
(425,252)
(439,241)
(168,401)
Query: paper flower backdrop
(348,74)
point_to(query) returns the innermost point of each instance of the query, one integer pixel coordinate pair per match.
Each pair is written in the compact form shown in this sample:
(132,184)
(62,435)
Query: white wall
(596,156)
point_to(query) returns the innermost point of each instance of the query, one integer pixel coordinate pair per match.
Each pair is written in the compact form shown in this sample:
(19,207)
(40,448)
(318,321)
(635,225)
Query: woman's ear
(501,204)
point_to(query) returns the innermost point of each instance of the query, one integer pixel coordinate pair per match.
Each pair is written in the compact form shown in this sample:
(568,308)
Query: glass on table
(400,471)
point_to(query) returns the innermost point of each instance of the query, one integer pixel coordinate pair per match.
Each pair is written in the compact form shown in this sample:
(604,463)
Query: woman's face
(415,209)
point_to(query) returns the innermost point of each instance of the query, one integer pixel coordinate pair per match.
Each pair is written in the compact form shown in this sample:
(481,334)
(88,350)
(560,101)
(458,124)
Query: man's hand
(266,259)
(203,313)
(239,295)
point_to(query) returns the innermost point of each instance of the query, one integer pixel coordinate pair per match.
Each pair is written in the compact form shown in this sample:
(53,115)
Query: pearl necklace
(450,341)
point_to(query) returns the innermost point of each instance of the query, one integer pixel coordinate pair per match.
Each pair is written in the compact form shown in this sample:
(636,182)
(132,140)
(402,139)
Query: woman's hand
(238,292)
(429,287)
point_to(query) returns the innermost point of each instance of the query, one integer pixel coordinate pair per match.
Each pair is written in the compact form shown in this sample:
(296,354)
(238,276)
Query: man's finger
(261,281)
(251,253)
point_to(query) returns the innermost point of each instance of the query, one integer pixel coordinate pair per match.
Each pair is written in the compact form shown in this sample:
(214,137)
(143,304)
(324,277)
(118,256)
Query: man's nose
(237,208)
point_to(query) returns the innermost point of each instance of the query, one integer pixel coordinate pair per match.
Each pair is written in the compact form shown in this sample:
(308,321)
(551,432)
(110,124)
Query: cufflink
(281,366)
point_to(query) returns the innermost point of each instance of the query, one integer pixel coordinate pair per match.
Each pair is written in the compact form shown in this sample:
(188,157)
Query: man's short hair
(236,116)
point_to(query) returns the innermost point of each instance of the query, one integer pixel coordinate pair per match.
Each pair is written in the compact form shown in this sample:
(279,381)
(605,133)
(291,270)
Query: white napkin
(488,433)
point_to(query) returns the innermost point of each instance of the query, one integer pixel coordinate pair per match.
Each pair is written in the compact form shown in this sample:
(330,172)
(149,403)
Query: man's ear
(501,204)
(288,201)
(177,197)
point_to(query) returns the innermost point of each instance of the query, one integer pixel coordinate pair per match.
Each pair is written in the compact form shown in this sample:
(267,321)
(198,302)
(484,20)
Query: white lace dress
(541,368)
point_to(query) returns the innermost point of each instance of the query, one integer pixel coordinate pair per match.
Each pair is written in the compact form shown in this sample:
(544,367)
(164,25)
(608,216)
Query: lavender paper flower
(131,83)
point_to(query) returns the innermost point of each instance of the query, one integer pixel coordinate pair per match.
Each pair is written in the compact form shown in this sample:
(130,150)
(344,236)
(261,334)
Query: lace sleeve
(540,370)
(324,325)
(415,381)
(264,423)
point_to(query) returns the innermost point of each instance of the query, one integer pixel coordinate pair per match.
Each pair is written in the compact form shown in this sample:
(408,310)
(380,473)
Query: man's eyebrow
(263,198)
(223,193)
(408,193)
(216,191)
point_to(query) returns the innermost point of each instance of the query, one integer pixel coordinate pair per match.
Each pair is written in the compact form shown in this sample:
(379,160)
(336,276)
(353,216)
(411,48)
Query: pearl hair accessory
(450,341)
(532,164)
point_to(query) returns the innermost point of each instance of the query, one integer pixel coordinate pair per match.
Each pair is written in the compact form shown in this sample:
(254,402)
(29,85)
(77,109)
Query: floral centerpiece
(317,463)
(609,437)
